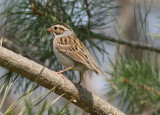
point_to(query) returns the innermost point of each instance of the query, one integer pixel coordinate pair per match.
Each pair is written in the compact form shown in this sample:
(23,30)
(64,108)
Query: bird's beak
(49,30)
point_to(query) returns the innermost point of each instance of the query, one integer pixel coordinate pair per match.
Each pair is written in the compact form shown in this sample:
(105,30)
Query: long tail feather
(106,78)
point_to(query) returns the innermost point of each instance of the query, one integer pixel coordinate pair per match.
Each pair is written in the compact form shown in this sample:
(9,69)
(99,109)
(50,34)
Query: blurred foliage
(139,84)
(137,76)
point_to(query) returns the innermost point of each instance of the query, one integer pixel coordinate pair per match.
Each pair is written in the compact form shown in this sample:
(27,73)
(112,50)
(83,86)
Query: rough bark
(49,79)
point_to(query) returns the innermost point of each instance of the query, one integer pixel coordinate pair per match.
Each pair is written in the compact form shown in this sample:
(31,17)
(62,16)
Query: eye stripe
(66,26)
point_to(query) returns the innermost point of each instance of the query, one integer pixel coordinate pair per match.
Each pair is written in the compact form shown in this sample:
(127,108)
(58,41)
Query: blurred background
(116,33)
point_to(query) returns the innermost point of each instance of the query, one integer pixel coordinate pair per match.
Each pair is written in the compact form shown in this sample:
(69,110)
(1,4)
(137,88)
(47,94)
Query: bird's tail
(106,78)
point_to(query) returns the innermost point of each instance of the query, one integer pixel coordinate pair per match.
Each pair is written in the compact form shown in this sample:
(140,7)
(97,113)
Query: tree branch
(36,11)
(49,79)
(143,87)
(132,44)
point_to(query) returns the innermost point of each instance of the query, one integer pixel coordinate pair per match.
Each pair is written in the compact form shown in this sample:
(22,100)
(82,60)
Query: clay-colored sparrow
(72,53)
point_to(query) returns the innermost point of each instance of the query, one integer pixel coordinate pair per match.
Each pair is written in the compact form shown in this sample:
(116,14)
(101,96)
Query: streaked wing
(75,49)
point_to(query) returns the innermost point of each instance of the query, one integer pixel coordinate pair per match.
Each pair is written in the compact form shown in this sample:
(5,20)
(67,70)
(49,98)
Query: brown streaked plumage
(72,53)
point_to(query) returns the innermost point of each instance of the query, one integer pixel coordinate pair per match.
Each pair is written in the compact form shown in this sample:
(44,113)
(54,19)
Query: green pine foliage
(139,84)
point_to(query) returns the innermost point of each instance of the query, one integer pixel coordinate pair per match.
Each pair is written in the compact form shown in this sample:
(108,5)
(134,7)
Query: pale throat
(65,34)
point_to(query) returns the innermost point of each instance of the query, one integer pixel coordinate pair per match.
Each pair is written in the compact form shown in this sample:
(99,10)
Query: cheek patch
(59,31)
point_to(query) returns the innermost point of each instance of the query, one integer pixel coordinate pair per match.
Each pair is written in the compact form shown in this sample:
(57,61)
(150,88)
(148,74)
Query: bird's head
(61,30)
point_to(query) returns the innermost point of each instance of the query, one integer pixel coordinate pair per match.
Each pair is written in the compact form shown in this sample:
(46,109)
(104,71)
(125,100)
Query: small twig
(32,1)
(88,12)
(36,11)
(142,87)
(148,89)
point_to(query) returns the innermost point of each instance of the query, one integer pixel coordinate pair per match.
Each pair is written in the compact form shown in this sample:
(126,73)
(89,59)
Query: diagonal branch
(132,43)
(49,79)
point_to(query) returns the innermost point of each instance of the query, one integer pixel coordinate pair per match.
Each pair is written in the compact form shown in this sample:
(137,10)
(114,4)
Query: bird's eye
(55,27)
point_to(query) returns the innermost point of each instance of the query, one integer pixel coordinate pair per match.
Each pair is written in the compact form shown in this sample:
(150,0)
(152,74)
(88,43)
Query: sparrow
(72,53)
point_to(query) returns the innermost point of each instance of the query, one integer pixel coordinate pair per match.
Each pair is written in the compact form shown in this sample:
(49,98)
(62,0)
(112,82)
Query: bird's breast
(65,60)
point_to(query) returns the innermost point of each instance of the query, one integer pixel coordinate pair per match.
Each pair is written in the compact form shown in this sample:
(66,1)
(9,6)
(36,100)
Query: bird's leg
(60,72)
(81,77)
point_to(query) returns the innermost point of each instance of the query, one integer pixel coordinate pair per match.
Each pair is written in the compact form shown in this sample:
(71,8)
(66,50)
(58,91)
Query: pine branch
(143,87)
(36,11)
(49,79)
(132,43)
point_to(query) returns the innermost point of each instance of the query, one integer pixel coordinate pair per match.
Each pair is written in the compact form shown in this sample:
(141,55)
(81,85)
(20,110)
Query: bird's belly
(66,61)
